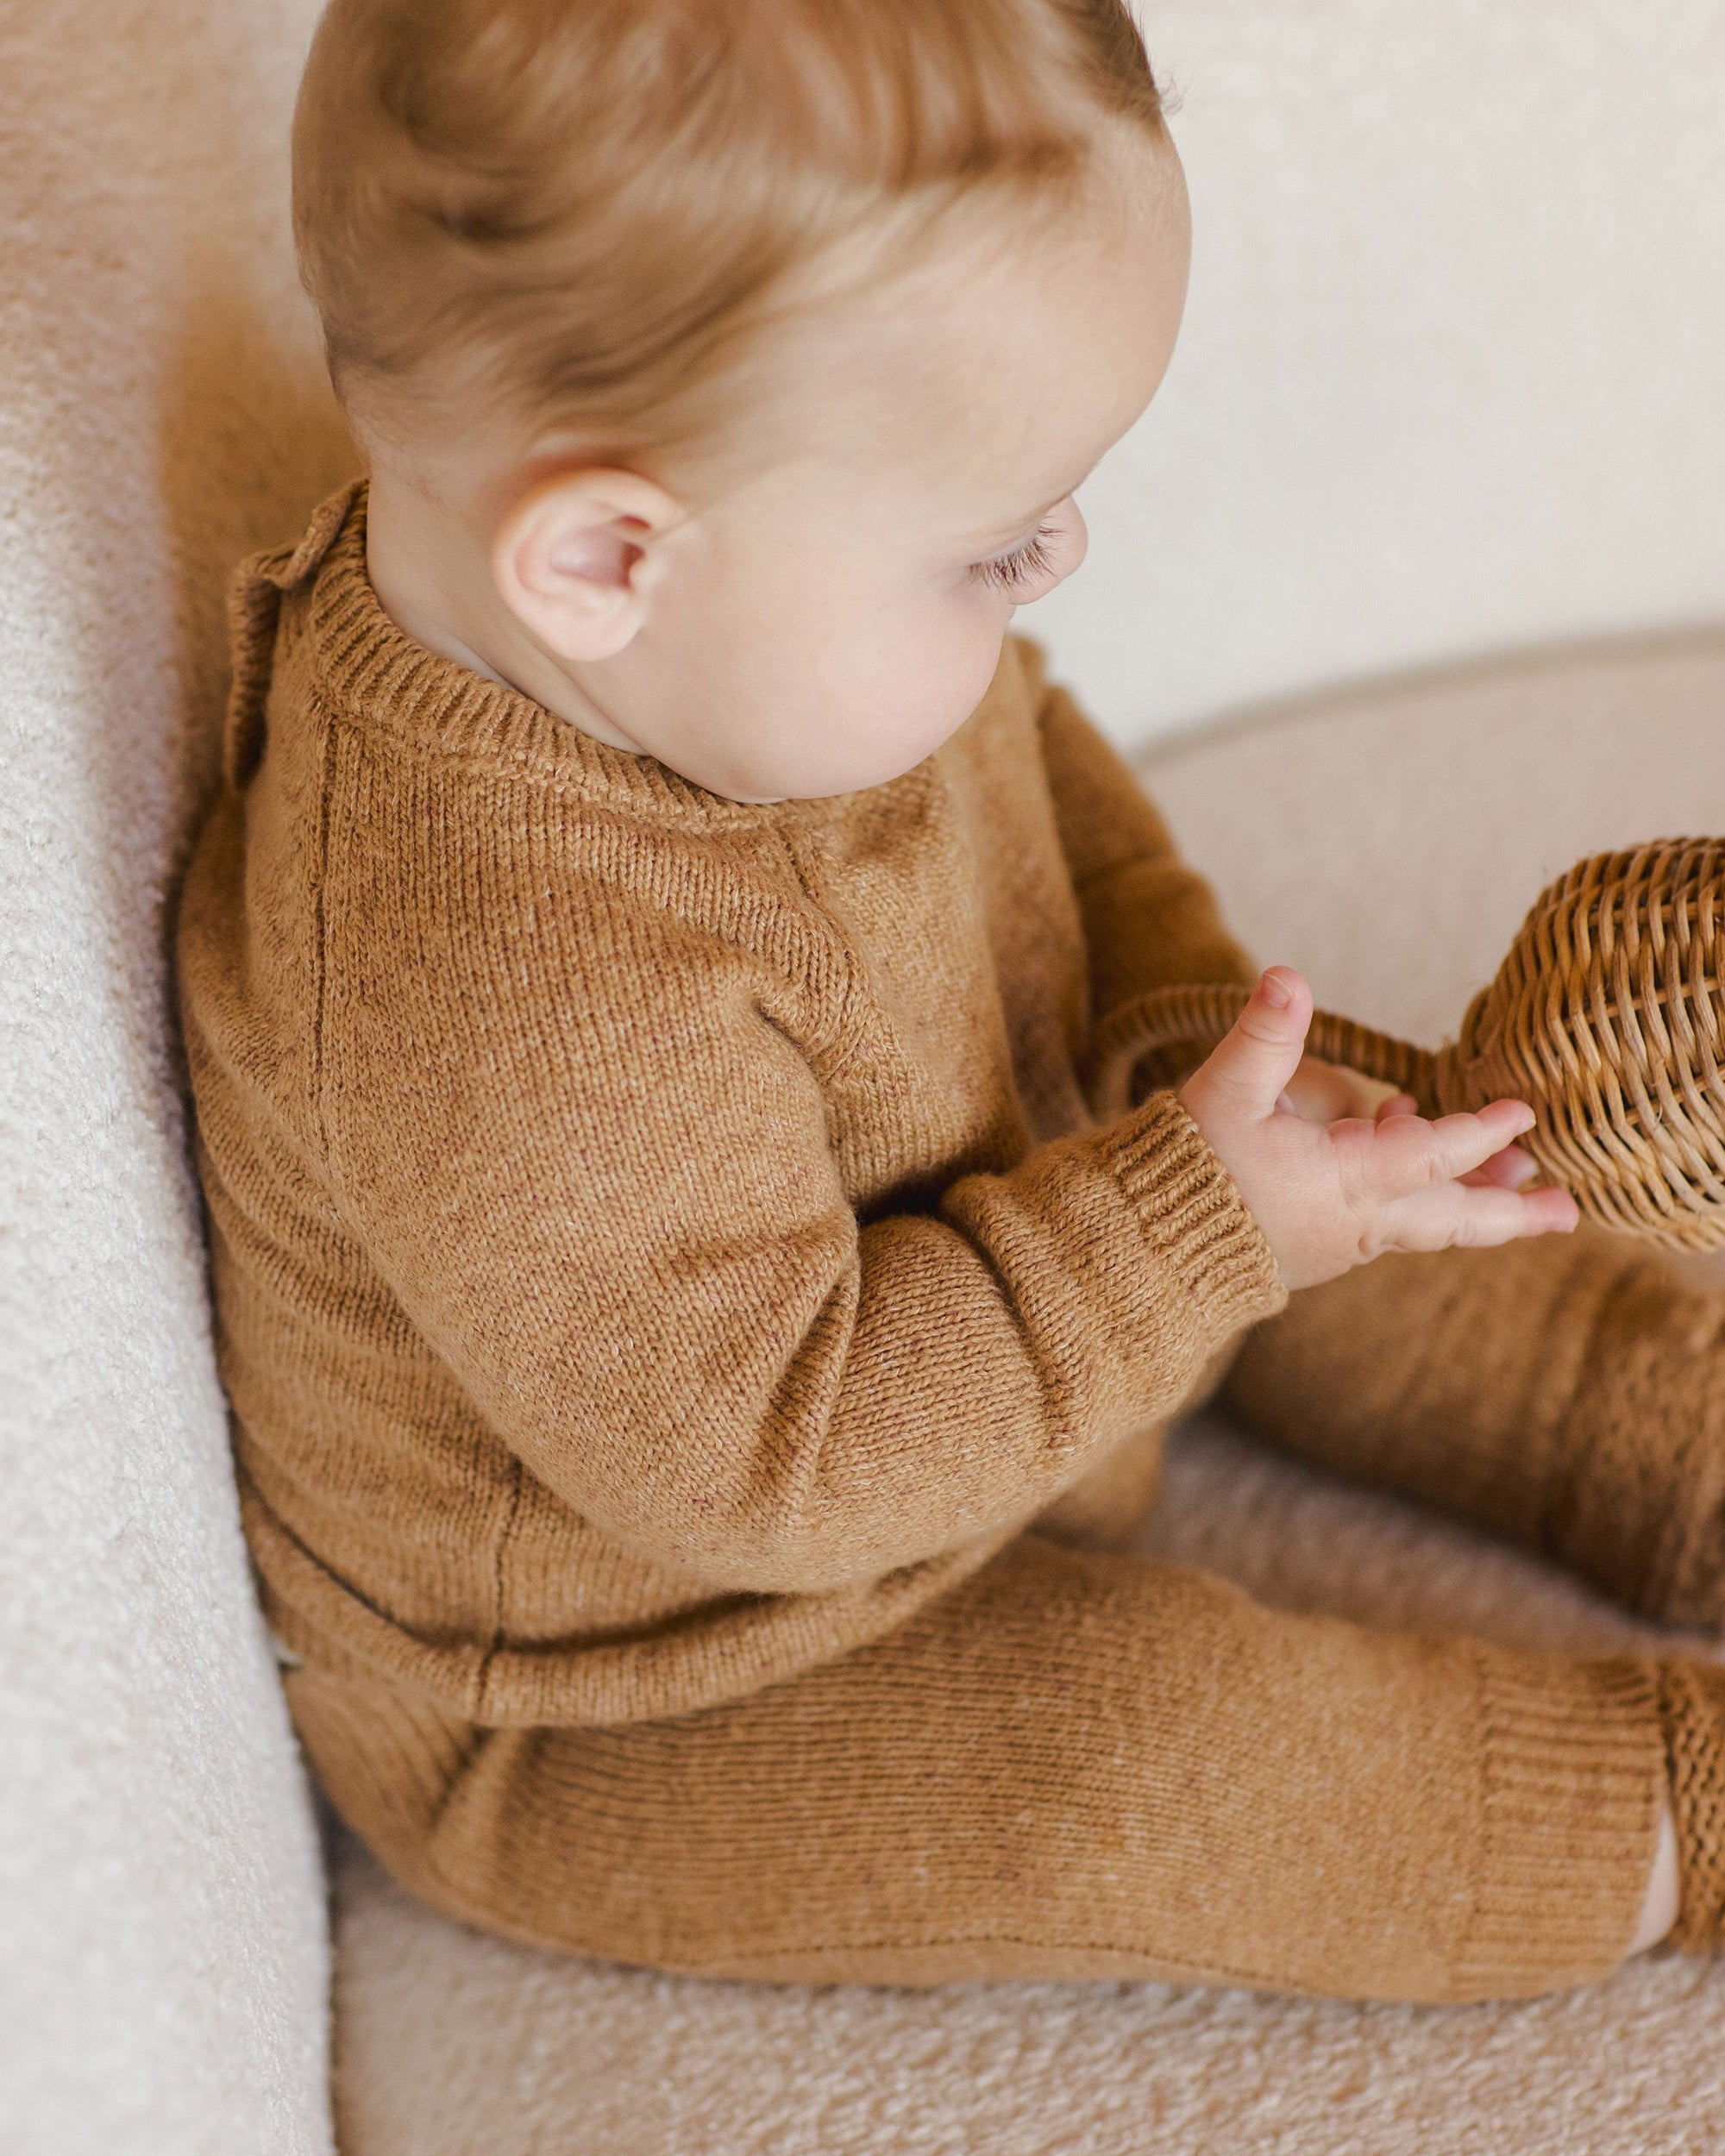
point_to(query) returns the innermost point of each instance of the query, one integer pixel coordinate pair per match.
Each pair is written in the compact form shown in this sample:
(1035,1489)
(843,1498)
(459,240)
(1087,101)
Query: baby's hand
(1326,1092)
(1328,1196)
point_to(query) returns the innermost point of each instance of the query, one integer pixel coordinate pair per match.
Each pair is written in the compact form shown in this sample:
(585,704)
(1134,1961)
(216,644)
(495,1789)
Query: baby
(697,1358)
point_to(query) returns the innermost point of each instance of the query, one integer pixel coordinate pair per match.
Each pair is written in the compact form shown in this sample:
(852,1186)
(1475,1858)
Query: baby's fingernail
(1522,1170)
(1276,992)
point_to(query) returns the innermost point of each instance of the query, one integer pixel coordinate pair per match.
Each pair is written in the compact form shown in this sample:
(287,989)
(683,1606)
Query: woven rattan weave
(1605,1017)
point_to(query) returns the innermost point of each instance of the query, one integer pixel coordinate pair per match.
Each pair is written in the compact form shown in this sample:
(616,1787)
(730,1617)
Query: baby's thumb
(1248,1067)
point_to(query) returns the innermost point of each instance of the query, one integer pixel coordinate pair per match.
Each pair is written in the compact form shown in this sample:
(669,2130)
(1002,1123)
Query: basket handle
(1177,1027)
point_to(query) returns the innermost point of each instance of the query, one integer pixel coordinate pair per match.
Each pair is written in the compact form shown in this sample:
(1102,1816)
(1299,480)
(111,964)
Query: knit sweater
(660,1243)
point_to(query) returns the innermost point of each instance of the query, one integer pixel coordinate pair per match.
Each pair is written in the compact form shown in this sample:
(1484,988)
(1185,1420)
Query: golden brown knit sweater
(659,1242)
(664,1259)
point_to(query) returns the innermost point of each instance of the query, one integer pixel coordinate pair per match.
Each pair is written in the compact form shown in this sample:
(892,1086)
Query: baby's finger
(1328,1093)
(1411,1153)
(1458,1216)
(1397,1103)
(1514,1169)
(1491,1217)
(1244,1074)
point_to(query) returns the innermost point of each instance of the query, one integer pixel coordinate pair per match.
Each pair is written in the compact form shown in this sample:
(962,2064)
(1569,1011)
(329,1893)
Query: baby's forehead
(990,372)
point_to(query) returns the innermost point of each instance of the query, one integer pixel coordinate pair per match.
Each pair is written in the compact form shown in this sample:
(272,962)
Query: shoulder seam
(320,917)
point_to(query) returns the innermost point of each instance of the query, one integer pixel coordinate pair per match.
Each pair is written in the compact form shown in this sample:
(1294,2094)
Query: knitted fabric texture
(660,1242)
(1074,1764)
(666,1258)
(1569,1394)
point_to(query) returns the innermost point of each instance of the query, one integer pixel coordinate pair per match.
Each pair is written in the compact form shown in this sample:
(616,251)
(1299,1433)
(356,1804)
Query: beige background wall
(1453,373)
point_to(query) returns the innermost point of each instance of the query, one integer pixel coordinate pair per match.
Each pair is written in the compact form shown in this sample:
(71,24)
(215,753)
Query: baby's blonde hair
(580,213)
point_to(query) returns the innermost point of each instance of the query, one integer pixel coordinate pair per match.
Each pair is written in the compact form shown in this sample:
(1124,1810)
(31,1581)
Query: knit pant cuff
(1573,1773)
(1692,1706)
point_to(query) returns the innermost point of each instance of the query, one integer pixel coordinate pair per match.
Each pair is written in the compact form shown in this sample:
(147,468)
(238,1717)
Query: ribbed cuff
(1692,1706)
(1573,1772)
(1192,1216)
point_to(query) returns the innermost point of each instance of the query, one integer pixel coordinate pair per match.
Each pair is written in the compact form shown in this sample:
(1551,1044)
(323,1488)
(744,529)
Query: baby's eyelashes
(1029,563)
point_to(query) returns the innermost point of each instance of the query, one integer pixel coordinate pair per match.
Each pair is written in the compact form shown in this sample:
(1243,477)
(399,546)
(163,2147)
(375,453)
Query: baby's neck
(432,579)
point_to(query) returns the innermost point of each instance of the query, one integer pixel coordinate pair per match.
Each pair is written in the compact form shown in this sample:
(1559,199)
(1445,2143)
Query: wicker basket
(1605,1018)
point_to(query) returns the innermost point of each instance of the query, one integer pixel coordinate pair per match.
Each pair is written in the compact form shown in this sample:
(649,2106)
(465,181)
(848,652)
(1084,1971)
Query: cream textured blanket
(162,1964)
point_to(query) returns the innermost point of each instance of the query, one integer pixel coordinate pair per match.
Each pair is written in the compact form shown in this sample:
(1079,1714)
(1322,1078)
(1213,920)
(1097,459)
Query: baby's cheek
(866,685)
(972,653)
(928,675)
(949,697)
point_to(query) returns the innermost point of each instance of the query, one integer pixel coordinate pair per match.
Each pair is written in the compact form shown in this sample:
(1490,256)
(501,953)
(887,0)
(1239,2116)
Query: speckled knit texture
(661,1241)
(1569,1394)
(665,1260)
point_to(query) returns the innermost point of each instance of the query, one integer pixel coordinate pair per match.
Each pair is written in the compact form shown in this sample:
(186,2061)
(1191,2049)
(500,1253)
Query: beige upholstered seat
(1387,842)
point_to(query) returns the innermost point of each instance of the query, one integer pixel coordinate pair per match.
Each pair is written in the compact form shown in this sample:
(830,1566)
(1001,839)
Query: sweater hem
(704,1660)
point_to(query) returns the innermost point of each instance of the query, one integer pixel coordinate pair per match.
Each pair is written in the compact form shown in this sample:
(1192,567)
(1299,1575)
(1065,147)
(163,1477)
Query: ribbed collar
(382,679)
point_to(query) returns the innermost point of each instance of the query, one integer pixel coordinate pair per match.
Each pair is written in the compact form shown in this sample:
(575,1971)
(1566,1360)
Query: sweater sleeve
(1150,921)
(592,1163)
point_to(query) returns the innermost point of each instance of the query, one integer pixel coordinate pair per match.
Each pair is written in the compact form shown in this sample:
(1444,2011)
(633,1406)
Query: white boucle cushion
(164,1961)
(1388,843)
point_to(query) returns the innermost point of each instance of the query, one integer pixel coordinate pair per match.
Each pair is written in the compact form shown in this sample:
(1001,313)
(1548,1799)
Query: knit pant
(1094,1765)
(1568,1393)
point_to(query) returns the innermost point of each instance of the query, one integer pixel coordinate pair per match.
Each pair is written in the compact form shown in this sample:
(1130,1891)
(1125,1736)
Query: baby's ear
(574,560)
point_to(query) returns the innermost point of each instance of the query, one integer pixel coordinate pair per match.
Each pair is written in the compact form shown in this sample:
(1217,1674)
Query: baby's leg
(1075,1765)
(1569,1394)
